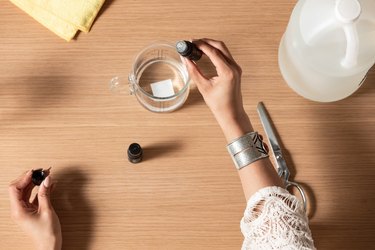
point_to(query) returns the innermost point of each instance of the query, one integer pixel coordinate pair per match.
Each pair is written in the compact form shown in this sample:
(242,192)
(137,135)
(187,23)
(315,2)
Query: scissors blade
(264,118)
(282,169)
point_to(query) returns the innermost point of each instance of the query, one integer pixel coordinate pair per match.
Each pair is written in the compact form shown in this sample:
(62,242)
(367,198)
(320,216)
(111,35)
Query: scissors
(282,168)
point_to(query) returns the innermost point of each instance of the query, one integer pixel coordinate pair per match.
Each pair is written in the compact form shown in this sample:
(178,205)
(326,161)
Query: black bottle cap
(135,153)
(189,50)
(184,48)
(38,176)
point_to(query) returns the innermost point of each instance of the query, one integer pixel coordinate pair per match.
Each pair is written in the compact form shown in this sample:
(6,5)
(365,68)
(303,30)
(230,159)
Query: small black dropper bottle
(135,153)
(189,50)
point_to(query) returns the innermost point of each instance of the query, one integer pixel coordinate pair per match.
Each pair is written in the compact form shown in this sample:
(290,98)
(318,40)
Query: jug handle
(348,12)
(352,46)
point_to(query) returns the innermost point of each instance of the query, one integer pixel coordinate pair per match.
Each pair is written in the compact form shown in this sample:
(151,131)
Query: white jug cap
(348,11)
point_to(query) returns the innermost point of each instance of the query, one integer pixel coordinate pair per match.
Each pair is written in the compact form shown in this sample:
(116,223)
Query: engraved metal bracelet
(247,149)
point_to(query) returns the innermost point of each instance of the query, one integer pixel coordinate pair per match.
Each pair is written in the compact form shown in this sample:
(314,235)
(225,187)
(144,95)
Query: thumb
(198,78)
(44,194)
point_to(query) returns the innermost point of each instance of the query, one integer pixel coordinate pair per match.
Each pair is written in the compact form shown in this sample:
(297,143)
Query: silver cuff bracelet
(247,149)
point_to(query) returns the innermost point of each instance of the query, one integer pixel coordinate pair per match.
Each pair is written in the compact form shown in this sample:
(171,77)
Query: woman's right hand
(222,93)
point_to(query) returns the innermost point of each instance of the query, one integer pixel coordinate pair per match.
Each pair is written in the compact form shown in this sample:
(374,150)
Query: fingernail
(187,61)
(47,182)
(183,60)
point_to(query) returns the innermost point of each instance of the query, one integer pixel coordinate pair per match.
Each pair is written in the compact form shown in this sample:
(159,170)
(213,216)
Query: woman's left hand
(37,218)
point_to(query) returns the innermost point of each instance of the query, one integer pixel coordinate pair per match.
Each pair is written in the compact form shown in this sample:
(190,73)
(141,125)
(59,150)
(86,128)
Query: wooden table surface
(56,110)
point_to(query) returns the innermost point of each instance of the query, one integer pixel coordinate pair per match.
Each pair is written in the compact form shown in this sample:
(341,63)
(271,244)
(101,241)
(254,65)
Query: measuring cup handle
(117,85)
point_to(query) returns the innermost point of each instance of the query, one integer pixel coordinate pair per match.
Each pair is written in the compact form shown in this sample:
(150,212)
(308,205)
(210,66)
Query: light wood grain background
(56,110)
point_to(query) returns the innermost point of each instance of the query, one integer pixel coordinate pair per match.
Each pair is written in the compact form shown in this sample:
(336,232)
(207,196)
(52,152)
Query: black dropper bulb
(189,50)
(39,175)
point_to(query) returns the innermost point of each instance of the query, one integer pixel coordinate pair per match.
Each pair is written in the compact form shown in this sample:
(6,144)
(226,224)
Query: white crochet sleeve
(275,219)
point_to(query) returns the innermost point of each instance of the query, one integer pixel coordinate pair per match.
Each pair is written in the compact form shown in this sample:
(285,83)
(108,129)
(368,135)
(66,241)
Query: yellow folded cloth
(63,17)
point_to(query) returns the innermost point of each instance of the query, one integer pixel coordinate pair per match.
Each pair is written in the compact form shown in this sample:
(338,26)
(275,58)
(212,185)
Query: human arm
(273,218)
(222,94)
(36,218)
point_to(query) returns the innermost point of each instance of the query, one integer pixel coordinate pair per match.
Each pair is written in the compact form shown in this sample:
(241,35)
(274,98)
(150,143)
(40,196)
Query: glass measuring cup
(158,78)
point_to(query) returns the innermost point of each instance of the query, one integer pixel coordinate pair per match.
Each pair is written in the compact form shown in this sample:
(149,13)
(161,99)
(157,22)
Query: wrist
(52,243)
(235,126)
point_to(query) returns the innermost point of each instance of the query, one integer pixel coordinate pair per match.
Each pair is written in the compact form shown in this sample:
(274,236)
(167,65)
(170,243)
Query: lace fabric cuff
(275,219)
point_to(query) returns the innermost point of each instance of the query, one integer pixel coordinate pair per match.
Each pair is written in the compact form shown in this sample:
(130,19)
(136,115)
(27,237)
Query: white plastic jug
(328,47)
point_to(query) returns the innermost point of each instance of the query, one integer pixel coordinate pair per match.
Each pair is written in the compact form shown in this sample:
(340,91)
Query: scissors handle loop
(300,189)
